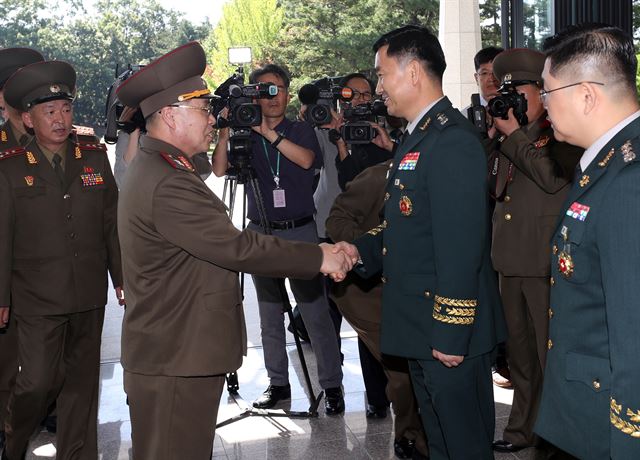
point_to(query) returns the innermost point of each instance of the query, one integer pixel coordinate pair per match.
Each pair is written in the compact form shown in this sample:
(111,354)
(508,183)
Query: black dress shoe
(272,395)
(505,446)
(404,448)
(333,401)
(376,411)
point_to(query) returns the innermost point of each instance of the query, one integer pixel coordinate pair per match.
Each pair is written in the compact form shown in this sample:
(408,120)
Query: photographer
(284,155)
(531,174)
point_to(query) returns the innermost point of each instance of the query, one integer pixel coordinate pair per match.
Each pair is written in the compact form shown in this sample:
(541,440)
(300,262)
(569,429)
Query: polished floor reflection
(348,436)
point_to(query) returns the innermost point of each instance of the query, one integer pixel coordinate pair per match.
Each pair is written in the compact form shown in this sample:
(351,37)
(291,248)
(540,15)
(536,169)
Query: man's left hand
(382,140)
(508,126)
(448,360)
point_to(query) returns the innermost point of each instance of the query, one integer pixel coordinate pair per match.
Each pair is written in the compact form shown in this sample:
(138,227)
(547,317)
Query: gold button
(550,313)
(507,199)
(384,223)
(507,217)
(549,344)
(384,251)
(555,249)
(386,196)
(401,186)
(427,294)
(383,279)
(391,165)
(552,281)
(596,384)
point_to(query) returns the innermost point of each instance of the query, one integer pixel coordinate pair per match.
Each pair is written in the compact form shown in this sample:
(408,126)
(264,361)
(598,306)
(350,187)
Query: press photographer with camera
(530,175)
(283,155)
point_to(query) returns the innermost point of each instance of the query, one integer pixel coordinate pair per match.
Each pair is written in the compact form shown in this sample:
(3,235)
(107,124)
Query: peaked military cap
(40,82)
(174,77)
(518,64)
(11,59)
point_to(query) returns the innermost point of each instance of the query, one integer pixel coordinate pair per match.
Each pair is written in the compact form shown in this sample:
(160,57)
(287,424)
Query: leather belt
(286,224)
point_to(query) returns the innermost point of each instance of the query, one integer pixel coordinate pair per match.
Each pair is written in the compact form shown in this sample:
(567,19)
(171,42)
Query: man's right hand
(4,317)
(335,262)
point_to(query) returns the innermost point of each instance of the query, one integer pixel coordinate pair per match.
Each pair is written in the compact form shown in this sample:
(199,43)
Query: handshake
(338,259)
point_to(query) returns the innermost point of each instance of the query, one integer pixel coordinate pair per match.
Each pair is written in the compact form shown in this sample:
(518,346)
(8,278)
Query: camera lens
(359,133)
(320,114)
(246,114)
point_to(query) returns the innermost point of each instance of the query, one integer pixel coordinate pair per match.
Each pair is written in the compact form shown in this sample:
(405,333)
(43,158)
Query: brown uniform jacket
(57,242)
(181,257)
(533,176)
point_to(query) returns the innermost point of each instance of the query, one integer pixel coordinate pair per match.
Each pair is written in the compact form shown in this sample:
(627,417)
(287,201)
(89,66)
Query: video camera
(114,108)
(242,115)
(357,129)
(320,97)
(509,98)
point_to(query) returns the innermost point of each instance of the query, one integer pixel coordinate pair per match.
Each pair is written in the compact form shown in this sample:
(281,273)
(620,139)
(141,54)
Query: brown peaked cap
(162,82)
(11,59)
(40,82)
(518,64)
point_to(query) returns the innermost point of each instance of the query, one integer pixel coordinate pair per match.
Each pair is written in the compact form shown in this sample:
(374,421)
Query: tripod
(246,175)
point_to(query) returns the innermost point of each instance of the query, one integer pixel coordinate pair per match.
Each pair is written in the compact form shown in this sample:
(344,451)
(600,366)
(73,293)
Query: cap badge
(31,159)
(29,180)
(54,88)
(406,206)
(506,78)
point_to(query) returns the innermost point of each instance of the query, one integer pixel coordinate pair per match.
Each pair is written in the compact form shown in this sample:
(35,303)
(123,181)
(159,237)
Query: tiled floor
(349,436)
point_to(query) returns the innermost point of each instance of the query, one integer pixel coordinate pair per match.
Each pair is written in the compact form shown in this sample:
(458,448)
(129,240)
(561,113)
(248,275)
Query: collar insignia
(442,118)
(542,141)
(29,180)
(31,158)
(426,124)
(606,159)
(77,153)
(3,136)
(584,181)
(627,152)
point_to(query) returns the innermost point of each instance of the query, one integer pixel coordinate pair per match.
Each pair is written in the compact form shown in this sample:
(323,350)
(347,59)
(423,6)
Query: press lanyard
(276,175)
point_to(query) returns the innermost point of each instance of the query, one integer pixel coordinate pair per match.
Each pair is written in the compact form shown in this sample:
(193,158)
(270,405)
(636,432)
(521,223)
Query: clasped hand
(338,259)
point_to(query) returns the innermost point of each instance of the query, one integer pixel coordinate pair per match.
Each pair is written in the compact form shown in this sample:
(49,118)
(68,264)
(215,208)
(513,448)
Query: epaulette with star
(179,162)
(85,135)
(88,147)
(12,153)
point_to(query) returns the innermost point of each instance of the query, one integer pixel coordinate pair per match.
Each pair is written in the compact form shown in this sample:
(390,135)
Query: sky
(196,10)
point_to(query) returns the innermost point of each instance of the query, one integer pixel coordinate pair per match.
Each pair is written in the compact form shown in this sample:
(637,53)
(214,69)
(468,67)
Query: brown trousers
(173,418)
(60,360)
(8,366)
(363,310)
(526,310)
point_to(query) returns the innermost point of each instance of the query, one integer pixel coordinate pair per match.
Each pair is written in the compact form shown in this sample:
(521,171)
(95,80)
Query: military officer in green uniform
(590,404)
(531,174)
(58,240)
(12,134)
(440,303)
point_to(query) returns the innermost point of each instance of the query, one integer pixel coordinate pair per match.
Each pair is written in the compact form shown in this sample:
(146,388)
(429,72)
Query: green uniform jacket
(181,257)
(534,174)
(591,396)
(57,242)
(440,291)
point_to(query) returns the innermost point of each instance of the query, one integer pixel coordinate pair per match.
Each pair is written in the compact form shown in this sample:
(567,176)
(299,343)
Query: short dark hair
(344,80)
(270,68)
(486,55)
(605,48)
(415,42)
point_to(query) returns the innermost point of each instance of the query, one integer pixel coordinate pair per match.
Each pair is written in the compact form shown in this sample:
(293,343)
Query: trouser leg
(173,418)
(375,380)
(8,366)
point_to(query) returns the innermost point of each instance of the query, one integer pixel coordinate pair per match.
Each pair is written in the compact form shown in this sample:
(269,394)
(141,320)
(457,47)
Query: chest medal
(406,206)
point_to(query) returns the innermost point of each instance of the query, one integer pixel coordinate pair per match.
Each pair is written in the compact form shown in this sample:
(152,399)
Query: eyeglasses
(208,109)
(485,74)
(365,96)
(544,92)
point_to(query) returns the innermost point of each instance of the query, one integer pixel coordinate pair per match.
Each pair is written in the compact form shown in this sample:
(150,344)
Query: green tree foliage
(490,23)
(120,32)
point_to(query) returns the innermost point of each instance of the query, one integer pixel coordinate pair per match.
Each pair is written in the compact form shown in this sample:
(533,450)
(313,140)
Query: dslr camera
(509,98)
(242,115)
(114,108)
(320,97)
(357,129)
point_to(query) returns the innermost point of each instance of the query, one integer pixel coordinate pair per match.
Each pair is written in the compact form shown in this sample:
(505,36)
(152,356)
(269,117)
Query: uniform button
(507,217)
(549,344)
(384,222)
(66,196)
(69,216)
(386,196)
(552,280)
(596,384)
(507,199)
(383,279)
(550,313)
(427,294)
(555,249)
(72,235)
(75,254)
(384,251)
(391,165)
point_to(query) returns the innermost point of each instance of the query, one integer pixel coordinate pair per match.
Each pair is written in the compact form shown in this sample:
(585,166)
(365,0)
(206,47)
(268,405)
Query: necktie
(57,168)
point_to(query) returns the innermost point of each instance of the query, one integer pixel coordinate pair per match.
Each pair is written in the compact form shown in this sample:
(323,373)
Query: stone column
(459,36)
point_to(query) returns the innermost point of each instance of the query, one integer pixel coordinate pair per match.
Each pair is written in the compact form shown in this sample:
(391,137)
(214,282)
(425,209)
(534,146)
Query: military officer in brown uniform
(184,325)
(355,211)
(58,238)
(532,177)
(12,134)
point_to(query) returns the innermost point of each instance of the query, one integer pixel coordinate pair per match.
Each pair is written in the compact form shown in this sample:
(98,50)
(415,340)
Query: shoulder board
(84,131)
(92,146)
(12,153)
(179,162)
